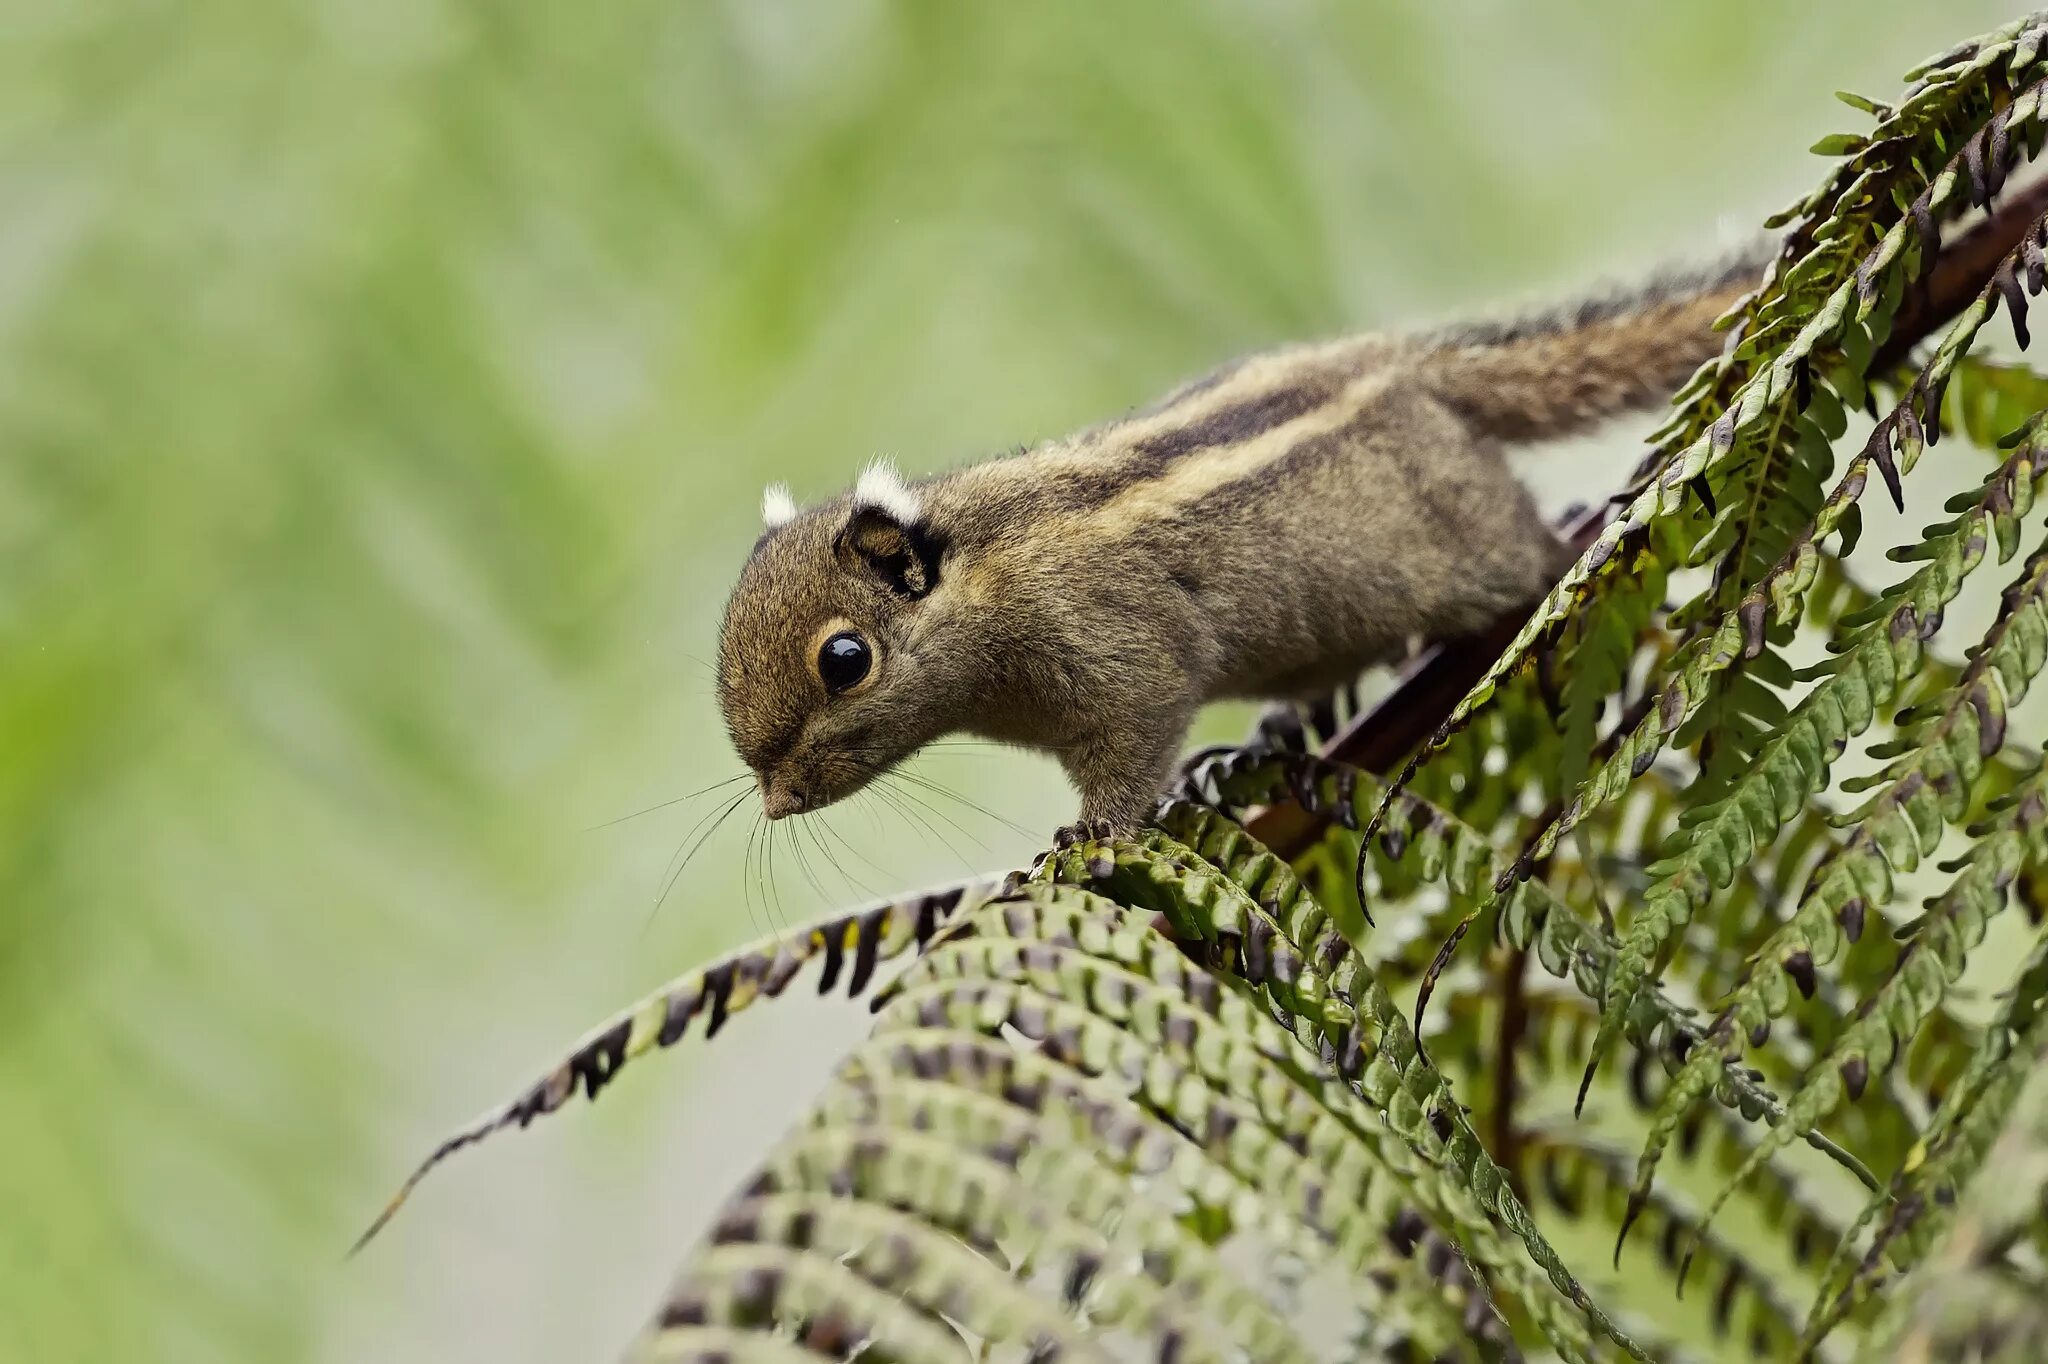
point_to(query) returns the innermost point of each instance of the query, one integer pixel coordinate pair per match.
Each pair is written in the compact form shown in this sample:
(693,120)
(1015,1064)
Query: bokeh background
(386,391)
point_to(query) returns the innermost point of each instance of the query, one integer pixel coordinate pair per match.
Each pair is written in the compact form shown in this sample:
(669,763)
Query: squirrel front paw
(1083,831)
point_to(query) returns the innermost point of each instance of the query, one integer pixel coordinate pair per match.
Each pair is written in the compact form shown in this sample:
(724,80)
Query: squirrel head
(831,661)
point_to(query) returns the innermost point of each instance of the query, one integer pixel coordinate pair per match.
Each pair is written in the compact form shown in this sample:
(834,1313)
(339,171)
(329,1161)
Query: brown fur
(1269,531)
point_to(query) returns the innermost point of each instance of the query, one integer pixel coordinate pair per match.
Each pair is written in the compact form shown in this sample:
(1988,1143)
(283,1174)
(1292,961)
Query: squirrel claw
(1082,831)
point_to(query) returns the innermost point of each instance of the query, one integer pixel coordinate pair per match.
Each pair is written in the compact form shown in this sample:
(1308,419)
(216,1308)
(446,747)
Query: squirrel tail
(1565,370)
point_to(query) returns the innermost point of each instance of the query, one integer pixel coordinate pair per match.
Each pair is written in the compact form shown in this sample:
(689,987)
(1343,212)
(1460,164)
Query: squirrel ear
(904,557)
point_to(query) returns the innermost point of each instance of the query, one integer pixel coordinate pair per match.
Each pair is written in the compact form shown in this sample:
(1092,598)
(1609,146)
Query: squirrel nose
(780,800)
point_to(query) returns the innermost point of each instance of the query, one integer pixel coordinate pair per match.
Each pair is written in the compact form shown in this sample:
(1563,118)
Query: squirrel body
(1270,530)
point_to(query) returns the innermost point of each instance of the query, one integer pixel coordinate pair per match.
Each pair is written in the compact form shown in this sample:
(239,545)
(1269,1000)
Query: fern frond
(1920,1204)
(1716,1142)
(1573,1173)
(762,969)
(1185,1143)
(1530,916)
(1942,937)
(1770,486)
(1416,1099)
(1312,976)
(1982,1293)
(1778,598)
(1841,304)
(1158,1036)
(898,1242)
(1165,1020)
(1927,784)
(1864,673)
(1933,768)
(748,1288)
(1121,1262)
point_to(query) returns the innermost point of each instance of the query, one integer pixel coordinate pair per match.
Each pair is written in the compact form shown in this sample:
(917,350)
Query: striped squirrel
(1270,530)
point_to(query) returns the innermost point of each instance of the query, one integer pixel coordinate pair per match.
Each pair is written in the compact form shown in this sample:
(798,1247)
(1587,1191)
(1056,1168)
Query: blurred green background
(386,390)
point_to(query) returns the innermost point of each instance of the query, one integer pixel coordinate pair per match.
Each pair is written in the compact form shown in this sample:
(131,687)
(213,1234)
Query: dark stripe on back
(1286,467)
(1233,425)
(1114,467)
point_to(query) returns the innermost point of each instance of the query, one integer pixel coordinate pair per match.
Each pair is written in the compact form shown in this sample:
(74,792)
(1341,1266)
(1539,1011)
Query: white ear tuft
(882,487)
(778,508)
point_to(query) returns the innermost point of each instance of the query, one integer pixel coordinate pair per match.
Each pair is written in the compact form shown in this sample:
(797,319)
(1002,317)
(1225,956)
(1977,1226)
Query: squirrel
(1270,531)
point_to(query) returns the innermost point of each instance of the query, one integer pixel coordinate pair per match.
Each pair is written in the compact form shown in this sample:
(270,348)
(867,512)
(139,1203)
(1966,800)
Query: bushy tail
(1569,368)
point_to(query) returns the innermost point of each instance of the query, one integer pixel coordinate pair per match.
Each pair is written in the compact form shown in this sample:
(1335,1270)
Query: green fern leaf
(1841,302)
(761,970)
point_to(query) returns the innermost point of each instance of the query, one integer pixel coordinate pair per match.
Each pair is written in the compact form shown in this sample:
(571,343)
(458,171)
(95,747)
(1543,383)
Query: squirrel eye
(844,661)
